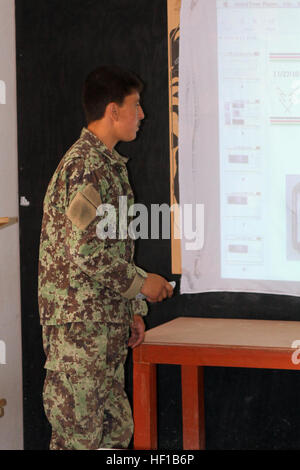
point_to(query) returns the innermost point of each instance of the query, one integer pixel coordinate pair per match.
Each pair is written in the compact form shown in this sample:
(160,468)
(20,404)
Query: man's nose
(141,113)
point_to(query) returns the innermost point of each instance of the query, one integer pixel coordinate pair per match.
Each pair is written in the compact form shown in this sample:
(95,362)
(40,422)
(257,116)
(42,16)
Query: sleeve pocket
(82,209)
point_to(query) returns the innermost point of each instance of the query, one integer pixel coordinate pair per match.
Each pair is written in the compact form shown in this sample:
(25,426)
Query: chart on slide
(259,138)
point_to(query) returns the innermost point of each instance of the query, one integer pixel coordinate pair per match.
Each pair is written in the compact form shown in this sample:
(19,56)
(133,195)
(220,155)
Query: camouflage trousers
(84,397)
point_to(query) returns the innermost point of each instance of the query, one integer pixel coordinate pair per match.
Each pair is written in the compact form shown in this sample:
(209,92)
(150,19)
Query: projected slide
(259,137)
(239,145)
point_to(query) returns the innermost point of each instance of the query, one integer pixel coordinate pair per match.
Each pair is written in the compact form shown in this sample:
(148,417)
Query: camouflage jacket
(81,276)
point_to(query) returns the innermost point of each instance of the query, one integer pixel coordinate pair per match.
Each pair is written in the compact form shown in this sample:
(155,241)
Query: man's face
(130,114)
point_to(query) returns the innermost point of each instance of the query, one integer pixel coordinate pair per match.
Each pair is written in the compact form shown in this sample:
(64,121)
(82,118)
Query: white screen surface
(239,144)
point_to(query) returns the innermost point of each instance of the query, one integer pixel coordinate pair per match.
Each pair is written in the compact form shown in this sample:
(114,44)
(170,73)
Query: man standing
(88,285)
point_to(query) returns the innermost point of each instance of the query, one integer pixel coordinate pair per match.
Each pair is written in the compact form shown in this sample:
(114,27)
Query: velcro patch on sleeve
(82,209)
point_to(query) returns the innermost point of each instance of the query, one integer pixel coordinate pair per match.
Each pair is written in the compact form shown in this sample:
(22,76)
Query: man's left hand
(137,331)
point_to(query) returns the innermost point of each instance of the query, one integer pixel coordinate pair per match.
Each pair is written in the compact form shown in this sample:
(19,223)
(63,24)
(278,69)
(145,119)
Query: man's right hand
(156,288)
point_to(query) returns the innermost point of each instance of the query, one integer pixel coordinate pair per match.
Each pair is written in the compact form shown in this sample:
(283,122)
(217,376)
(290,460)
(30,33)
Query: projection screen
(239,146)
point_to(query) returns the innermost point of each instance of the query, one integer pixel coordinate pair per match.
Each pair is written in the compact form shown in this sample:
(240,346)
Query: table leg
(193,425)
(144,406)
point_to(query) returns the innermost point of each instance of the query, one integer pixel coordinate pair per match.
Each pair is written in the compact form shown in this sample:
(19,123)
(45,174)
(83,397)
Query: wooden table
(197,342)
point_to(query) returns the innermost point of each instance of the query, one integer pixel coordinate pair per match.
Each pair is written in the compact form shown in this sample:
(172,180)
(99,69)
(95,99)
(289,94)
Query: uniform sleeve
(103,260)
(139,307)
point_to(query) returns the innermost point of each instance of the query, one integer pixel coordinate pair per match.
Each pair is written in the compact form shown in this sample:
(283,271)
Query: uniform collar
(113,156)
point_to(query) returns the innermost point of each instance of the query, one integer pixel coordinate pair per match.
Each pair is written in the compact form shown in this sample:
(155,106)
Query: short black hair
(104,85)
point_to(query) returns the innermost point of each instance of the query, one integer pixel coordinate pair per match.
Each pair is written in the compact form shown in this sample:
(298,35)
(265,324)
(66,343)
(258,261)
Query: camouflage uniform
(87,290)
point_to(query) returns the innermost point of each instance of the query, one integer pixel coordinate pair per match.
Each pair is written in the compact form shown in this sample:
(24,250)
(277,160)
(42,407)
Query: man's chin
(131,138)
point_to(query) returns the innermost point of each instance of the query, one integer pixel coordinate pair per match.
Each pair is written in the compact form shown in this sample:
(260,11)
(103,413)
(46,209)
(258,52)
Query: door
(11,418)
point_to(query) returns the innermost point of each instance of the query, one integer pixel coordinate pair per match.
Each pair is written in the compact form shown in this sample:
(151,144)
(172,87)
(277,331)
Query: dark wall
(58,43)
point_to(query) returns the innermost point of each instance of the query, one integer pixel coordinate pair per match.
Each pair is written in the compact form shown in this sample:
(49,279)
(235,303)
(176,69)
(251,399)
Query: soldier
(88,285)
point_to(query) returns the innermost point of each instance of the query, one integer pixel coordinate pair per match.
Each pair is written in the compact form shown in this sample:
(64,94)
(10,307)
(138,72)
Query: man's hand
(156,288)
(137,331)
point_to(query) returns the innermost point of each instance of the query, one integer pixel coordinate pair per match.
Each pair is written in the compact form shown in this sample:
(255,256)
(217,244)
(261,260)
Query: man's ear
(113,111)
